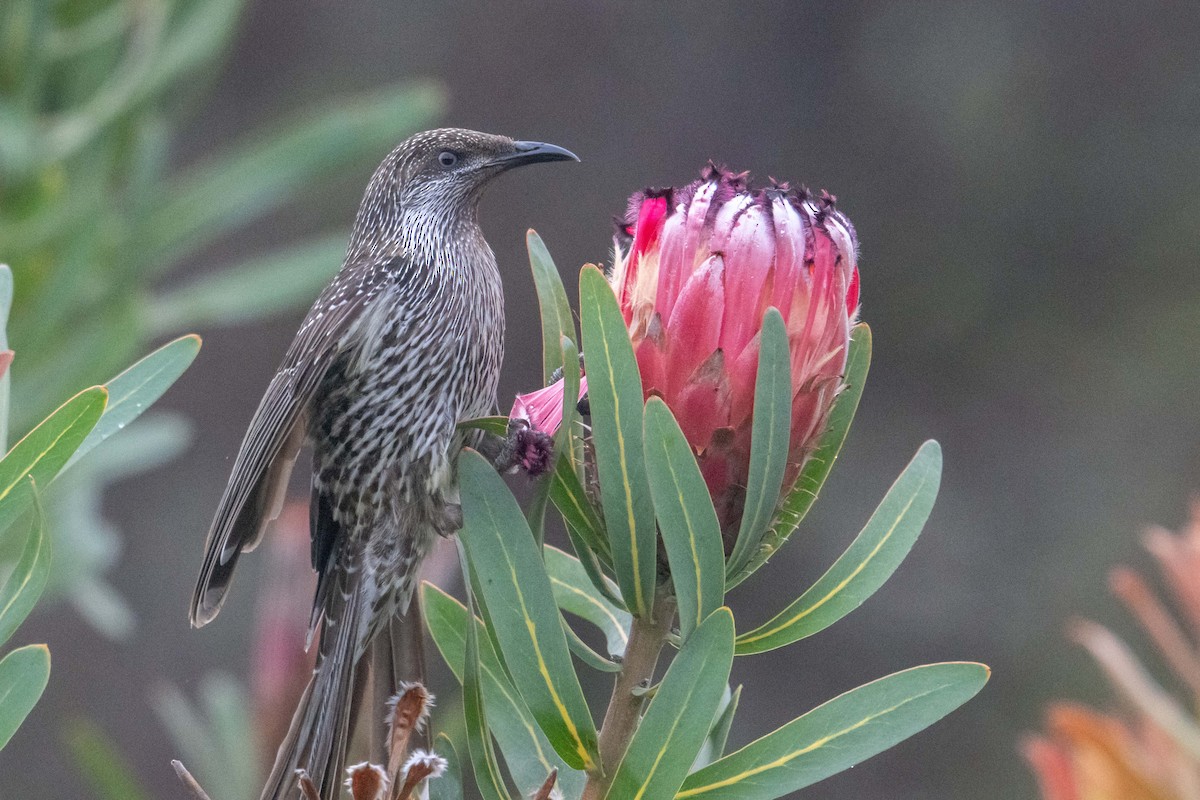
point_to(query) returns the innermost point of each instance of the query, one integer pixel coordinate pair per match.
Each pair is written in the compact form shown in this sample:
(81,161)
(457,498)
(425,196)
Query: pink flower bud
(695,270)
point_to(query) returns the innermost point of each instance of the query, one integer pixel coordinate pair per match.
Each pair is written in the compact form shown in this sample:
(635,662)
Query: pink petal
(652,358)
(542,409)
(694,328)
(697,221)
(789,253)
(676,263)
(702,405)
(749,257)
(649,226)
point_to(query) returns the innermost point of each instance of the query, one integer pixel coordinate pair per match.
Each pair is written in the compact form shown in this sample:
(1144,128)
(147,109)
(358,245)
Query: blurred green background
(1023,177)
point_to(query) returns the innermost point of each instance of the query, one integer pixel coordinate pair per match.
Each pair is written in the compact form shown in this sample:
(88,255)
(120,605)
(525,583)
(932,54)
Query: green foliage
(53,445)
(24,585)
(867,563)
(769,439)
(214,736)
(799,499)
(23,676)
(508,568)
(675,725)
(839,734)
(629,583)
(687,520)
(93,213)
(105,769)
(526,750)
(615,392)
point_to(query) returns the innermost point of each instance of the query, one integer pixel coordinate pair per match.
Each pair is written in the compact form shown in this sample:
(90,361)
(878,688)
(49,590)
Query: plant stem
(646,638)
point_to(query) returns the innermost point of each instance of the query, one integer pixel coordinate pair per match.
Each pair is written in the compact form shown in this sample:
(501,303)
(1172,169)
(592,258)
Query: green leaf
(104,767)
(211,735)
(615,395)
(770,437)
(803,493)
(6,295)
(282,280)
(536,513)
(571,500)
(450,785)
(494,425)
(869,560)
(138,387)
(686,517)
(24,585)
(595,570)
(677,722)
(516,590)
(555,309)
(718,735)
(527,752)
(839,734)
(261,175)
(575,594)
(46,449)
(479,739)
(23,676)
(585,653)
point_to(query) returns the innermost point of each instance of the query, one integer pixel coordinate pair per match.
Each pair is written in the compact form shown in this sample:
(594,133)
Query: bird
(403,344)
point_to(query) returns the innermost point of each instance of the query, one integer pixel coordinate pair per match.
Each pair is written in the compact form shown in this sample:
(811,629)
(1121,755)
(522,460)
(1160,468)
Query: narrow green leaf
(839,734)
(516,589)
(494,425)
(104,767)
(526,750)
(555,309)
(6,295)
(138,387)
(575,594)
(686,517)
(571,500)
(24,585)
(714,745)
(677,722)
(45,450)
(615,395)
(869,560)
(264,173)
(585,653)
(479,738)
(803,493)
(536,513)
(597,572)
(280,281)
(770,437)
(23,676)
(450,785)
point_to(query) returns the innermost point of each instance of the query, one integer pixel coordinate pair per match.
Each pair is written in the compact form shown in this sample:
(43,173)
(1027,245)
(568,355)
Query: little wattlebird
(403,344)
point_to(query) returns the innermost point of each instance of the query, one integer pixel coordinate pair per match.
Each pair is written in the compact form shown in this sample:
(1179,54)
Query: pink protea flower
(695,270)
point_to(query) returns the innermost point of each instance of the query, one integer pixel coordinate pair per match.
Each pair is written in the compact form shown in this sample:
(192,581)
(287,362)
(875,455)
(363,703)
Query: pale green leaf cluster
(34,463)
(96,219)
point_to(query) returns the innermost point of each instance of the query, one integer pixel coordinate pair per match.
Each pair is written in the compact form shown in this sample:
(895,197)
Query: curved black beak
(532,153)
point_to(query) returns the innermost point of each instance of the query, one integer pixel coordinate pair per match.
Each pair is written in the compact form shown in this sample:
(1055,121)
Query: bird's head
(434,179)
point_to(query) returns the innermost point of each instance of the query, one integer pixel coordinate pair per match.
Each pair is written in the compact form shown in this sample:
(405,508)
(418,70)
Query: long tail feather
(320,731)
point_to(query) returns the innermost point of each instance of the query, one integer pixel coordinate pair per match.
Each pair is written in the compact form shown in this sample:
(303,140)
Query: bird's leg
(449,519)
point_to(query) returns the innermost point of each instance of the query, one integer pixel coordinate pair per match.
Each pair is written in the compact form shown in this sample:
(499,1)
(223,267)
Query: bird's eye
(447,158)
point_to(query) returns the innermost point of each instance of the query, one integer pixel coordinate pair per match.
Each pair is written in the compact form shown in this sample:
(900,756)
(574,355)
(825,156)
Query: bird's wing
(260,474)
